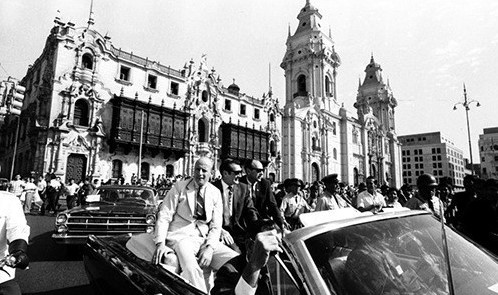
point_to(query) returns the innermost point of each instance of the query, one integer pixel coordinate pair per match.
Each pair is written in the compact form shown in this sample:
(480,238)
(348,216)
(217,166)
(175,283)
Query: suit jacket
(264,201)
(229,274)
(175,218)
(244,214)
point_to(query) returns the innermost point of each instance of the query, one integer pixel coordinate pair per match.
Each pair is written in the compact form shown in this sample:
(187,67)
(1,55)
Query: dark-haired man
(370,200)
(261,193)
(239,213)
(331,199)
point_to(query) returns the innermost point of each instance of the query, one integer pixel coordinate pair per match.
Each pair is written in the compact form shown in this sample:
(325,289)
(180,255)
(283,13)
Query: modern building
(488,152)
(87,101)
(431,153)
(319,135)
(89,105)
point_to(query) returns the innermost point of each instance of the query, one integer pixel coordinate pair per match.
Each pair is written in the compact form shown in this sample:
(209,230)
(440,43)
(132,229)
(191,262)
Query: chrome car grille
(106,225)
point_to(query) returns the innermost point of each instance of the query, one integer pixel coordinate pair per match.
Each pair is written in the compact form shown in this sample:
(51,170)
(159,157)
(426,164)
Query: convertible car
(402,252)
(111,210)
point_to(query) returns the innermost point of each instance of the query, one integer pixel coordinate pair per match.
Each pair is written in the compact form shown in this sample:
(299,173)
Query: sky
(427,48)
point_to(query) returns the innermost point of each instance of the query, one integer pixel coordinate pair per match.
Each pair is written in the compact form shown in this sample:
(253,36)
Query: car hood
(102,208)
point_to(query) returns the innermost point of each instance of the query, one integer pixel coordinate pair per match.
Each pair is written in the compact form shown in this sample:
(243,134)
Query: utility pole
(139,173)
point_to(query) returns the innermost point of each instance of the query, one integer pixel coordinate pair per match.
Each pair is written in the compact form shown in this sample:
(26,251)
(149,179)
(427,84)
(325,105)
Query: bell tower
(310,62)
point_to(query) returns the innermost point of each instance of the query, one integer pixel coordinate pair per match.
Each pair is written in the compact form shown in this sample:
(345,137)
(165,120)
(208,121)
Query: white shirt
(72,188)
(366,199)
(13,227)
(42,184)
(17,187)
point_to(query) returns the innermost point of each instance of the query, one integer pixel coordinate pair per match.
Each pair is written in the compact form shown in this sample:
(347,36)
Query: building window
(273,150)
(335,154)
(327,86)
(334,127)
(228,105)
(124,73)
(415,152)
(202,128)
(482,159)
(440,165)
(272,117)
(438,150)
(301,85)
(117,168)
(144,171)
(421,166)
(204,96)
(402,153)
(242,109)
(408,152)
(256,114)
(496,158)
(174,88)
(87,61)
(152,82)
(81,113)
(170,171)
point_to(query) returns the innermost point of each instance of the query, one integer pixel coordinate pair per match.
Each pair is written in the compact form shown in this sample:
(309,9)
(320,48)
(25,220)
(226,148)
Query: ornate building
(87,102)
(319,136)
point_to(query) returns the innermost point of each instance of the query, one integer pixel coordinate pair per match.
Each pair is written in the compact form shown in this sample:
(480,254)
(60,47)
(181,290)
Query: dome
(234,88)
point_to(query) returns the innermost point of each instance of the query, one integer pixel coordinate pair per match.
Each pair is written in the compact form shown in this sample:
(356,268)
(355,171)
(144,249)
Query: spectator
(456,209)
(53,188)
(86,189)
(330,199)
(42,187)
(426,198)
(293,203)
(316,191)
(392,198)
(370,200)
(72,193)
(29,190)
(17,186)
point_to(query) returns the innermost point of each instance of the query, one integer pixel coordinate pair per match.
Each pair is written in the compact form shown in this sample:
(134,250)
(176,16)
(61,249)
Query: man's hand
(205,255)
(159,253)
(265,243)
(226,238)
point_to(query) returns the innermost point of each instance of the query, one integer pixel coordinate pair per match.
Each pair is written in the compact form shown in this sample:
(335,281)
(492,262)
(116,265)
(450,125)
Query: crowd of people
(205,223)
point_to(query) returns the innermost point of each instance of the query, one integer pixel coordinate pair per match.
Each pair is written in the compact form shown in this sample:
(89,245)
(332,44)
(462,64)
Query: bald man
(189,221)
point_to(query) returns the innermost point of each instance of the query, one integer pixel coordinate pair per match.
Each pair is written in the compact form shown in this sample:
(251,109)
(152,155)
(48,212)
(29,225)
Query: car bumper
(66,239)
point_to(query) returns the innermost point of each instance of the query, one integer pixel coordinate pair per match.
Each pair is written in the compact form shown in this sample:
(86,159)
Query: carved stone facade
(319,135)
(87,101)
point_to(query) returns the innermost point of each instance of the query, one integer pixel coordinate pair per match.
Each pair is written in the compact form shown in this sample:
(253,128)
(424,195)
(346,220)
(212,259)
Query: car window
(400,256)
(280,281)
(116,195)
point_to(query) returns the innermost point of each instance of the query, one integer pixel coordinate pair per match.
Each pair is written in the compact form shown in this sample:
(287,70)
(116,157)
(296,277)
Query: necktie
(227,211)
(200,213)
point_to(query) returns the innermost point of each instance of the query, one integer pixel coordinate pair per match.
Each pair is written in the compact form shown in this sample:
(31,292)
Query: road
(53,269)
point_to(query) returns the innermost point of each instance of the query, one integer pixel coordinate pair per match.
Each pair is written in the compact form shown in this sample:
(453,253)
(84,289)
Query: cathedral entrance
(76,167)
(315,172)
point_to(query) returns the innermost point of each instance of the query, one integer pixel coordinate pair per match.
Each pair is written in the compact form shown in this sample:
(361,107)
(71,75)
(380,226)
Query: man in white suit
(189,221)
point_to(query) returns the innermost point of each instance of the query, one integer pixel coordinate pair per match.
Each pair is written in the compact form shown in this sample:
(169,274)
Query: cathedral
(319,135)
(94,110)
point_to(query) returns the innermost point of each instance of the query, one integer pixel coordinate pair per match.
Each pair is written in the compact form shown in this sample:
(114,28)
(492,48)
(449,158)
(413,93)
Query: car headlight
(150,219)
(149,229)
(61,218)
(61,229)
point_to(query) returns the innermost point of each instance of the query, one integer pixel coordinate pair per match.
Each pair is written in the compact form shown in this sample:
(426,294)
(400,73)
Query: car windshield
(127,195)
(401,256)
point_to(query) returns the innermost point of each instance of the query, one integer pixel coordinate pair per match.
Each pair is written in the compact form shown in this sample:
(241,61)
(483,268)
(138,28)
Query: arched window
(87,61)
(117,168)
(273,151)
(272,117)
(145,170)
(313,143)
(335,153)
(204,96)
(202,129)
(301,85)
(81,113)
(327,86)
(170,170)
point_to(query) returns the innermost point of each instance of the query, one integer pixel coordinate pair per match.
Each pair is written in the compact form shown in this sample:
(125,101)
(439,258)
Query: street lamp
(466,104)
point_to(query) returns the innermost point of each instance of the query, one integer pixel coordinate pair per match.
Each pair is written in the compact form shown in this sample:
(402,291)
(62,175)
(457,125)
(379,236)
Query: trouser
(53,199)
(29,200)
(187,251)
(10,287)
(43,206)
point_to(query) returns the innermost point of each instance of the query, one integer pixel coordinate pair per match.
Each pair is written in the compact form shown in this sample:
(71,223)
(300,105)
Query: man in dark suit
(239,213)
(245,274)
(261,193)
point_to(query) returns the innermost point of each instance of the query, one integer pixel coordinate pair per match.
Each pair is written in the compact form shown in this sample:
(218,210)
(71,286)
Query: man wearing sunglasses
(239,213)
(261,193)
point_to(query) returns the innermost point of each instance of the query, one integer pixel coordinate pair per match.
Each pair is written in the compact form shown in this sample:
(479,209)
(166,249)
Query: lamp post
(466,104)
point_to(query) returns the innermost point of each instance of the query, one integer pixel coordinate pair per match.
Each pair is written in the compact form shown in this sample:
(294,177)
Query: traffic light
(16,98)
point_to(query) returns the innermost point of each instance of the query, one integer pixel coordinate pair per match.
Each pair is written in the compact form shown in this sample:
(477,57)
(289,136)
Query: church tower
(310,140)
(375,104)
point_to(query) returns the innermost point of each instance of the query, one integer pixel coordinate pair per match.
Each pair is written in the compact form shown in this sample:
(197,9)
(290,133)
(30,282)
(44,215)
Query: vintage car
(401,252)
(111,210)
(4,184)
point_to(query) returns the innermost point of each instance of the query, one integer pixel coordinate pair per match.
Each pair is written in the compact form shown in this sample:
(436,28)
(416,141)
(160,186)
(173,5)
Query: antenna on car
(445,249)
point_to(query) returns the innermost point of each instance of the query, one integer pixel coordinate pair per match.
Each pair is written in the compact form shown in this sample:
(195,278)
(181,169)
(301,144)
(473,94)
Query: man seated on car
(189,221)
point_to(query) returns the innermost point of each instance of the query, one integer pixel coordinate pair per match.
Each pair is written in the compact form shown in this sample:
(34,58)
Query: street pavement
(53,269)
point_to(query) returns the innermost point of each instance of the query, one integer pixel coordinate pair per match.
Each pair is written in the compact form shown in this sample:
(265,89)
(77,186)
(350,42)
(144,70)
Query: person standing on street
(42,191)
(53,189)
(17,186)
(29,189)
(14,235)
(72,191)
(261,193)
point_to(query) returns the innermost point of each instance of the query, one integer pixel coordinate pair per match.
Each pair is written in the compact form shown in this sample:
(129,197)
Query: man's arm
(17,233)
